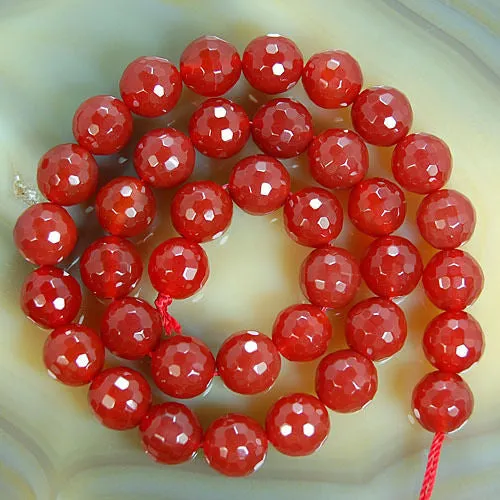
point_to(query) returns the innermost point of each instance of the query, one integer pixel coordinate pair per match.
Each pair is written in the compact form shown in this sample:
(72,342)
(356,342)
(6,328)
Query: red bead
(182,367)
(171,433)
(259,184)
(302,332)
(201,211)
(131,328)
(377,206)
(235,445)
(67,174)
(421,163)
(332,79)
(282,128)
(446,219)
(120,398)
(376,328)
(453,341)
(219,128)
(110,267)
(338,158)
(297,425)
(50,297)
(150,86)
(210,66)
(272,64)
(45,234)
(346,381)
(391,267)
(453,280)
(330,277)
(73,354)
(382,115)
(102,124)
(248,362)
(164,157)
(442,402)
(313,216)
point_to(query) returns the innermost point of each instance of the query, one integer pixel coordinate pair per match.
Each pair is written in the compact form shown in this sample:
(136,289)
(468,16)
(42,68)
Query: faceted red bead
(453,341)
(382,115)
(259,184)
(210,66)
(182,367)
(248,362)
(282,128)
(421,163)
(377,206)
(391,267)
(73,354)
(272,64)
(150,86)
(201,211)
(50,297)
(120,398)
(110,267)
(131,328)
(235,445)
(442,402)
(376,328)
(45,234)
(302,332)
(332,79)
(313,216)
(67,174)
(171,433)
(346,381)
(298,424)
(446,219)
(102,124)
(164,157)
(453,280)
(330,277)
(178,268)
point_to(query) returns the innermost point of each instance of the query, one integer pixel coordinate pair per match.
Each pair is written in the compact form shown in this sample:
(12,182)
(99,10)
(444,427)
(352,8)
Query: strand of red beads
(249,362)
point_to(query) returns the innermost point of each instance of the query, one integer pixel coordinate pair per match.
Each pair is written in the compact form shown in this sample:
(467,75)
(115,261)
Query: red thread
(170,324)
(432,466)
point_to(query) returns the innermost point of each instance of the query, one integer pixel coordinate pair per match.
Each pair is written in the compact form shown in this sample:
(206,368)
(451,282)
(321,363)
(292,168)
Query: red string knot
(170,324)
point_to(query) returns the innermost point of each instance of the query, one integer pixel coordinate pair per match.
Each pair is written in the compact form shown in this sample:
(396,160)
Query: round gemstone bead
(210,66)
(102,124)
(382,115)
(332,79)
(346,381)
(421,163)
(182,367)
(452,280)
(442,402)
(119,397)
(282,128)
(178,268)
(248,362)
(110,267)
(45,234)
(171,433)
(302,332)
(131,328)
(259,184)
(298,424)
(201,211)
(67,174)
(73,354)
(391,267)
(235,445)
(446,219)
(150,86)
(313,216)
